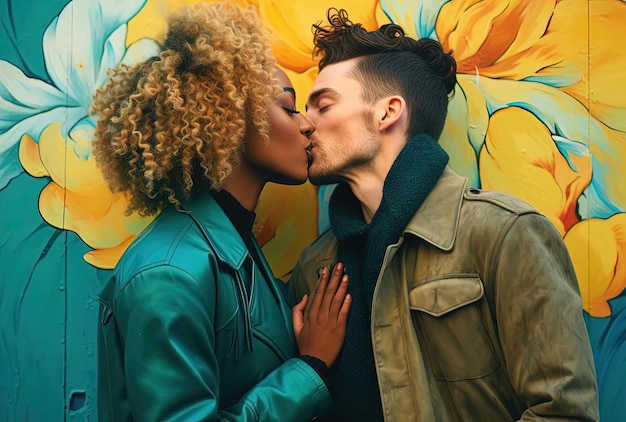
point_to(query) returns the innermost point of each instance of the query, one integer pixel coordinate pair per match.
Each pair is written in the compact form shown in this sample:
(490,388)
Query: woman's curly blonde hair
(172,128)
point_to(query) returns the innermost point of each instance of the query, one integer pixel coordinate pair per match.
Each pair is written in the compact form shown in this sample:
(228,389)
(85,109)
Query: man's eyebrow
(313,96)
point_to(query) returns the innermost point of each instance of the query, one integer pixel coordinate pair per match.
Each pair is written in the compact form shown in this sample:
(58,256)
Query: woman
(193,324)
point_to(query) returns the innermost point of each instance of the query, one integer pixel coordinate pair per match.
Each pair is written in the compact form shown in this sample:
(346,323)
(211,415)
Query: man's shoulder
(319,254)
(497,201)
(324,246)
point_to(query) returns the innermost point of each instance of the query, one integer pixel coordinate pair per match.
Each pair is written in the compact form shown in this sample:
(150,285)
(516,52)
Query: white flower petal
(137,52)
(141,51)
(422,13)
(22,97)
(111,55)
(74,55)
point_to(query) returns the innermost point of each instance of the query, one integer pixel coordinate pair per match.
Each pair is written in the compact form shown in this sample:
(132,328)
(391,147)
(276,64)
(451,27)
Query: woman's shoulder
(172,239)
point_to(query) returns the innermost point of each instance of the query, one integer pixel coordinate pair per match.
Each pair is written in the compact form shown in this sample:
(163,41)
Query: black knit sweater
(362,248)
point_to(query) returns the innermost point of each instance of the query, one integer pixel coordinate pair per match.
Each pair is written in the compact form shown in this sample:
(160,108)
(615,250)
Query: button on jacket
(191,329)
(476,314)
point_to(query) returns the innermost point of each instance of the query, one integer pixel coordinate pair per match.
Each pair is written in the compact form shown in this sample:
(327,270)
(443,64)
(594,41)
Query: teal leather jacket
(191,329)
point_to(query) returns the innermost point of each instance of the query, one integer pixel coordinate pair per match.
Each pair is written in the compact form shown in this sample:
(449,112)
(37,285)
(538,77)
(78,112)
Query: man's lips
(309,153)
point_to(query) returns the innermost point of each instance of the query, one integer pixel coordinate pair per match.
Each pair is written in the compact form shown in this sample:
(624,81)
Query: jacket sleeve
(170,364)
(540,323)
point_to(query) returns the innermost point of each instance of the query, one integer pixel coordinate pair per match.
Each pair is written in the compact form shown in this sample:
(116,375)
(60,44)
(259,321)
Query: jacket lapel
(216,228)
(437,220)
(229,248)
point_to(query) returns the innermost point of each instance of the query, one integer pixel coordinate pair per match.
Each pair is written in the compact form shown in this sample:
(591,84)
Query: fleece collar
(409,182)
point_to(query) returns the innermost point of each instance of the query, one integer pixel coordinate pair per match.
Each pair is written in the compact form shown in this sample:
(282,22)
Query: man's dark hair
(391,63)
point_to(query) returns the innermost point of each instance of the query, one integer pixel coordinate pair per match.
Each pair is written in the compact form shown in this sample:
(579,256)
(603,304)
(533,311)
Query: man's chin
(321,179)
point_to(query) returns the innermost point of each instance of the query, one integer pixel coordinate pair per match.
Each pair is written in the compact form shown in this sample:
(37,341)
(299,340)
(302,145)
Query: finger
(331,289)
(297,315)
(319,292)
(338,299)
(342,318)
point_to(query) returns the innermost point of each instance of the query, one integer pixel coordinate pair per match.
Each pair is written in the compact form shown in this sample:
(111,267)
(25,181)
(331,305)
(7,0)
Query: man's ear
(393,110)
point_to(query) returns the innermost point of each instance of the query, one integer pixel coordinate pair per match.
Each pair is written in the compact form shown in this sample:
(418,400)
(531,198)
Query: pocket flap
(439,297)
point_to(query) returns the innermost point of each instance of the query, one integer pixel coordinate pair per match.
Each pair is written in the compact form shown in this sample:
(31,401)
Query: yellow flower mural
(551,131)
(539,111)
(525,119)
(77,198)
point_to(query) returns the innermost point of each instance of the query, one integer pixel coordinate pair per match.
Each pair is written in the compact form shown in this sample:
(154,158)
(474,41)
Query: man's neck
(367,183)
(368,189)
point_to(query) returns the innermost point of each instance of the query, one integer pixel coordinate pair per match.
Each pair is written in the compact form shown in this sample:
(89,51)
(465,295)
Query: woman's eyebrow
(290,89)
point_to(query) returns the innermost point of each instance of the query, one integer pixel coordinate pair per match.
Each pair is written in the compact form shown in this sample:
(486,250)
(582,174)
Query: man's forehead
(333,80)
(335,71)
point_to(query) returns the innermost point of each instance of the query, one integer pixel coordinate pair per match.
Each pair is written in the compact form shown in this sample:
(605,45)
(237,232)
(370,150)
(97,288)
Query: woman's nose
(306,126)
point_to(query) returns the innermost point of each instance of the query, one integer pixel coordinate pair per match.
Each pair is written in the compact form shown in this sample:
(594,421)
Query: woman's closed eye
(290,111)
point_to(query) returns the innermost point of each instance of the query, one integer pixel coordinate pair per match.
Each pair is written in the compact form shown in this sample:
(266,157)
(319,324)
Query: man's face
(345,140)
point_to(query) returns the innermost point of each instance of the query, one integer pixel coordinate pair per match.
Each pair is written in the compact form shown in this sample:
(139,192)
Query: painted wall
(539,111)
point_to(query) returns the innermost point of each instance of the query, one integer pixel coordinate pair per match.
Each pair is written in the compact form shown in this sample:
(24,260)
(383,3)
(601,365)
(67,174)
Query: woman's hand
(321,331)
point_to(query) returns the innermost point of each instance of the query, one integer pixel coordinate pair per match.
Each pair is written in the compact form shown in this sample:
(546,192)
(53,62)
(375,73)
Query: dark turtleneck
(242,219)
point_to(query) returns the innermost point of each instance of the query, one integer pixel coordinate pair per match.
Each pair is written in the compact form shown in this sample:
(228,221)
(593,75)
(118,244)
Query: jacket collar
(436,221)
(218,230)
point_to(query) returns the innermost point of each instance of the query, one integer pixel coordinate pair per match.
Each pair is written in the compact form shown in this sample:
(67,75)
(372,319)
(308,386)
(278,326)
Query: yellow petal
(520,157)
(598,251)
(286,224)
(64,209)
(482,33)
(465,129)
(290,23)
(66,169)
(560,53)
(604,91)
(150,22)
(107,258)
(52,152)
(29,157)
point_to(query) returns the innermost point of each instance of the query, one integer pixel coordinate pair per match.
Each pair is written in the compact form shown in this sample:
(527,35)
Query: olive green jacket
(192,330)
(476,314)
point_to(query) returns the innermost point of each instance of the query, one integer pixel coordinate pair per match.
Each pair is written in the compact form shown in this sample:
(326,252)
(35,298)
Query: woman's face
(285,158)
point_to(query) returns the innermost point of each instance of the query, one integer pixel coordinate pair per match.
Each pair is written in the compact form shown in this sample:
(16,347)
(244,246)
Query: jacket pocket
(449,318)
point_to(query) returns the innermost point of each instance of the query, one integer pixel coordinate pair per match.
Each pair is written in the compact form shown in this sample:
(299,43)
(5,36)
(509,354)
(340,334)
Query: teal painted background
(47,312)
(47,287)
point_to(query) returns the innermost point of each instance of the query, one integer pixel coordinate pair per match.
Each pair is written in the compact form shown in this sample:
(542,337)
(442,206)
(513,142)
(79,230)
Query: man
(465,302)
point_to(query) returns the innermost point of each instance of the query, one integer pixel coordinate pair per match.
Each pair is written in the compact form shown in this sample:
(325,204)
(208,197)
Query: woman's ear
(393,110)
